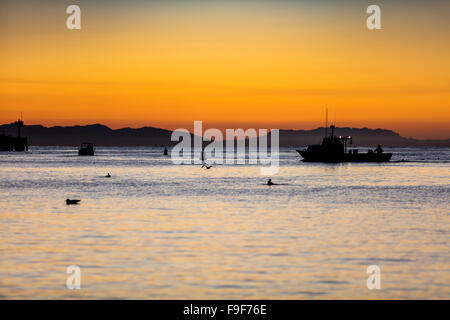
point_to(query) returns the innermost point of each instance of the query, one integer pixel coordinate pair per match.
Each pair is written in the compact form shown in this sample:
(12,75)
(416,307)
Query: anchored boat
(334,149)
(86,149)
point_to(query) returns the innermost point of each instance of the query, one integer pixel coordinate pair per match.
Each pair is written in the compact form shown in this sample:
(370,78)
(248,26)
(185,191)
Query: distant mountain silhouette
(363,137)
(102,135)
(98,134)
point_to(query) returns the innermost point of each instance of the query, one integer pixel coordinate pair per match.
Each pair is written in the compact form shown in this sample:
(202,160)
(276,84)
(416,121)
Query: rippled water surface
(160,231)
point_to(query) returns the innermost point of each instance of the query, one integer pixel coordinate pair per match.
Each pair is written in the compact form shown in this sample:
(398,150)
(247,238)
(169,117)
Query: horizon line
(241,127)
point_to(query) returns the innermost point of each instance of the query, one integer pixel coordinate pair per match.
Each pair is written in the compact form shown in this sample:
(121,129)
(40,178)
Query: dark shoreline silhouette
(102,135)
(11,143)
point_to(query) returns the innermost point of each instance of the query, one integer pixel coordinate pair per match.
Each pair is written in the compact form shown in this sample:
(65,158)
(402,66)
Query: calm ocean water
(161,231)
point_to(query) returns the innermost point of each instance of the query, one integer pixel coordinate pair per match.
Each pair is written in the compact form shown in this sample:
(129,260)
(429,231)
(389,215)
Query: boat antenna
(326,121)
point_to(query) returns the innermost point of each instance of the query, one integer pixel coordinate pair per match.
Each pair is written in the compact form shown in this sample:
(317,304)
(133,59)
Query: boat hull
(85,153)
(344,157)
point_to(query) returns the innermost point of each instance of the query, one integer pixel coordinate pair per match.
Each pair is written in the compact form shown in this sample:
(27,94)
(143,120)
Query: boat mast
(18,124)
(326,121)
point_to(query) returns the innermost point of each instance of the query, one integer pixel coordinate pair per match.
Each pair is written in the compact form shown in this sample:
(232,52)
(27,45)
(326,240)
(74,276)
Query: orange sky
(260,64)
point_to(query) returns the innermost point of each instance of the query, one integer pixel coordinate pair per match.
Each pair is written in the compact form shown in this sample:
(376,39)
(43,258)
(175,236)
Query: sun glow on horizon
(268,64)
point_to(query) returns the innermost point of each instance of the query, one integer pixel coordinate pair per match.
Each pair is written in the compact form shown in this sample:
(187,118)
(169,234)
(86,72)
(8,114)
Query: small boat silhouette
(334,149)
(86,149)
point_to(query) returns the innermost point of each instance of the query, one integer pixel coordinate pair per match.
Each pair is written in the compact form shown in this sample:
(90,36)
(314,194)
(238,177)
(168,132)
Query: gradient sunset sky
(261,64)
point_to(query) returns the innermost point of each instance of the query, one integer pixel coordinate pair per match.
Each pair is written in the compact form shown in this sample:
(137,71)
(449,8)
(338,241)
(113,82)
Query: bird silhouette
(72,201)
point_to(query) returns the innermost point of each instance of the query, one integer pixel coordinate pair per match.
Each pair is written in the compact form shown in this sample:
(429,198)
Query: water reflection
(155,230)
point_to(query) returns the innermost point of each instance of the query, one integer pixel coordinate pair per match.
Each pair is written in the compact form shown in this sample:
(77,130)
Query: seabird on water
(72,201)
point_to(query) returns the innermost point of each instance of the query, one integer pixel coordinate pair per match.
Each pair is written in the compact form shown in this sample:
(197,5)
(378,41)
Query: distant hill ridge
(102,135)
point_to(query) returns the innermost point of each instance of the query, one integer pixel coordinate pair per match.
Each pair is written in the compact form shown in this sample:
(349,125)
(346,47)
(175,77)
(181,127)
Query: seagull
(270,183)
(207,167)
(108,175)
(73,201)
